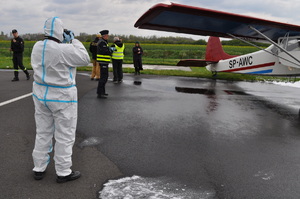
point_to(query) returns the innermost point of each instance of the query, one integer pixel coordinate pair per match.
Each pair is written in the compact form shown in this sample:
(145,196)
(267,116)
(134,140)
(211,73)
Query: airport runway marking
(15,99)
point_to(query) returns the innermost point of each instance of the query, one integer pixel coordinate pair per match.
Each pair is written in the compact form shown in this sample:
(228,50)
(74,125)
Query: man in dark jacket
(17,46)
(137,57)
(96,68)
(103,58)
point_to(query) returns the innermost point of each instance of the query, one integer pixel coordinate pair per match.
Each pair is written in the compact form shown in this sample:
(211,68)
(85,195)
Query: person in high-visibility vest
(117,60)
(103,58)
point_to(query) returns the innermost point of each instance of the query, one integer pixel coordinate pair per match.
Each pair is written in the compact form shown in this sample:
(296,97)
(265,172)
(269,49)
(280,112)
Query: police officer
(17,46)
(117,60)
(103,58)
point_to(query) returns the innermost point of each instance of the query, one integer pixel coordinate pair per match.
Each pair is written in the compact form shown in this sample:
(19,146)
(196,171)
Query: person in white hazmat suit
(54,61)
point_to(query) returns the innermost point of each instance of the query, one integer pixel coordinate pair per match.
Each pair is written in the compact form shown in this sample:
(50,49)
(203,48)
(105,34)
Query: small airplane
(281,58)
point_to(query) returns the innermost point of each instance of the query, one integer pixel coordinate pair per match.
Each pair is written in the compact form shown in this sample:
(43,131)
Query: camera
(68,36)
(67,31)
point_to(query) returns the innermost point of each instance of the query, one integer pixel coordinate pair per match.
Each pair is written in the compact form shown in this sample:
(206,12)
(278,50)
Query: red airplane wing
(200,21)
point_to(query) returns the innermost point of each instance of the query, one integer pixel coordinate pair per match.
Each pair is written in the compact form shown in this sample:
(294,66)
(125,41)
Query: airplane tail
(214,50)
(214,53)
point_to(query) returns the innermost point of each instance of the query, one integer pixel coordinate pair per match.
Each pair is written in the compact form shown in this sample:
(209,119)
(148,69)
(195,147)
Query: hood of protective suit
(54,28)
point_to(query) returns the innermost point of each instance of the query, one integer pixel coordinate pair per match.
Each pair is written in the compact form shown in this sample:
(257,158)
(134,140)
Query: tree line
(84,37)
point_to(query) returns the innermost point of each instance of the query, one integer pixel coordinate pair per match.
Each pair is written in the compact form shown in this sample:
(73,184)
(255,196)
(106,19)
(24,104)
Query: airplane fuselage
(259,63)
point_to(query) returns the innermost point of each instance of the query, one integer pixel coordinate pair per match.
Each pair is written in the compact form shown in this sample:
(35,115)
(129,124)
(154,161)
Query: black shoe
(92,78)
(105,94)
(15,79)
(38,175)
(28,77)
(137,82)
(102,96)
(97,79)
(73,176)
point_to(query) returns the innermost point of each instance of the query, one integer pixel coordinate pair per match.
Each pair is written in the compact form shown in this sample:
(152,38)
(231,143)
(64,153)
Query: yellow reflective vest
(103,52)
(119,53)
(103,58)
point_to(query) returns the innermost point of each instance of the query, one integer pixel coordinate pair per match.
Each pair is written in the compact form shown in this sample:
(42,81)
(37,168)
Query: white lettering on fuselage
(243,61)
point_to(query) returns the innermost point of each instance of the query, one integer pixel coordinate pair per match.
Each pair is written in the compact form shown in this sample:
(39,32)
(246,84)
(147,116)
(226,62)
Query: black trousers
(103,79)
(117,69)
(137,63)
(18,62)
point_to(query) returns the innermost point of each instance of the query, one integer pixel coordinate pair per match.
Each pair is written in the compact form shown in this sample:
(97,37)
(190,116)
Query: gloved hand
(68,36)
(112,48)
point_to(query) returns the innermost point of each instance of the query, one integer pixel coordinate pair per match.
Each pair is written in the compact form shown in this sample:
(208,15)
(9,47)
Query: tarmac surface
(17,142)
(230,139)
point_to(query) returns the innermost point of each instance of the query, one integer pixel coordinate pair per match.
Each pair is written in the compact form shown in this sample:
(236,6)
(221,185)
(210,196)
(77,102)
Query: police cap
(104,32)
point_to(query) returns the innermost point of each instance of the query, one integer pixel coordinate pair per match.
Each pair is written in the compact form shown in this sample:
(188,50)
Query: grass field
(154,54)
(158,54)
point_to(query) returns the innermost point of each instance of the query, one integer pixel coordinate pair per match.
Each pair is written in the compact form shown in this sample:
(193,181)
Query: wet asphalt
(231,139)
(17,131)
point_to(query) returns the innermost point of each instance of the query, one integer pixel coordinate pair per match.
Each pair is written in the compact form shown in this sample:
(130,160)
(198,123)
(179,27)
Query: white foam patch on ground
(289,100)
(137,187)
(91,141)
(291,84)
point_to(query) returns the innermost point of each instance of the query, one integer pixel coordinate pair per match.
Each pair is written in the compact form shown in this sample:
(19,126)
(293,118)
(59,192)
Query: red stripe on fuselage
(250,67)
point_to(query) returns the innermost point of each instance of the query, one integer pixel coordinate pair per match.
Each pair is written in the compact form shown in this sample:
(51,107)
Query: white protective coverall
(55,96)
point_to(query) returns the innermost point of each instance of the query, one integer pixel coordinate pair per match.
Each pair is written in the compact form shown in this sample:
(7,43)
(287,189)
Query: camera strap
(53,38)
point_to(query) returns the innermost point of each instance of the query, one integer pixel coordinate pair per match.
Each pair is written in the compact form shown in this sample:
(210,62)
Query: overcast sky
(119,16)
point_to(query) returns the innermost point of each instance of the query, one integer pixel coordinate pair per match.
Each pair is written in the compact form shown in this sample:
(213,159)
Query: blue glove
(112,48)
(68,37)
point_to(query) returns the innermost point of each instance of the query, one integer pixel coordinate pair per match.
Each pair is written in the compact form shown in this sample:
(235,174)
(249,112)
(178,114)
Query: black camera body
(67,31)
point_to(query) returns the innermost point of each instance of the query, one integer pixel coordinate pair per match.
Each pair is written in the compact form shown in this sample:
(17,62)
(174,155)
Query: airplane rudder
(213,49)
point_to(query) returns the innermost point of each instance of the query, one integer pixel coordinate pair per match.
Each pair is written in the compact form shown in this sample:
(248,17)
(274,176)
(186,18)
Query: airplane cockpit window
(293,45)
